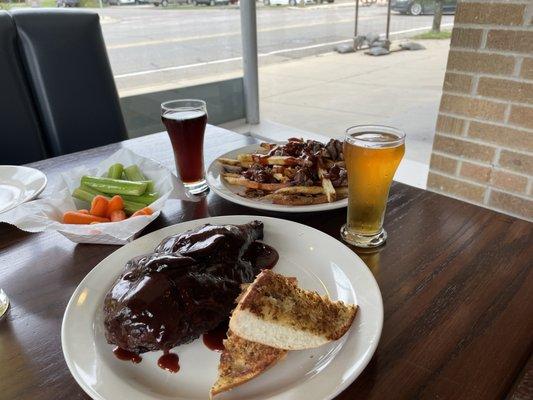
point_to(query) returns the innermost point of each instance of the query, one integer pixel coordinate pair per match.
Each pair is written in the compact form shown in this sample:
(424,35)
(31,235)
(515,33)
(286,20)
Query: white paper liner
(45,214)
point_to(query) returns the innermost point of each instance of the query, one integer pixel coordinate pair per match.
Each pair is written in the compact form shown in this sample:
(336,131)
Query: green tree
(437,18)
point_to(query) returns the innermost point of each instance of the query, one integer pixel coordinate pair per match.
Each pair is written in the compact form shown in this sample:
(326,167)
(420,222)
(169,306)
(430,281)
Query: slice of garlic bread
(273,311)
(241,361)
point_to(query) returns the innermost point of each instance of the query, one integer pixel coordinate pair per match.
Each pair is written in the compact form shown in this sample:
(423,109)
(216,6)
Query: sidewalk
(326,94)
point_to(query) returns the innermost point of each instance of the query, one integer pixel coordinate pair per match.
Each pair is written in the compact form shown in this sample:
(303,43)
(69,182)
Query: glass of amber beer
(372,153)
(185,121)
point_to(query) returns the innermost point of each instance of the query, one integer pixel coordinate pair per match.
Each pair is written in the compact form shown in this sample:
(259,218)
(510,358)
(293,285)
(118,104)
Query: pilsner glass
(185,121)
(372,154)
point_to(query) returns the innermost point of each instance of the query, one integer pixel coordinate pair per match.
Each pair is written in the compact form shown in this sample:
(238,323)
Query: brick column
(483,148)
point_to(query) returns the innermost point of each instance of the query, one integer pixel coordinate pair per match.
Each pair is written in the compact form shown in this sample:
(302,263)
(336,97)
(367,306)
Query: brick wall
(483,148)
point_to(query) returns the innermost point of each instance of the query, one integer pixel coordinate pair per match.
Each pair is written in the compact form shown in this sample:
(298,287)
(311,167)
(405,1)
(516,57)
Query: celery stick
(150,186)
(90,190)
(115,171)
(133,173)
(83,195)
(114,186)
(87,193)
(131,206)
(146,198)
(94,192)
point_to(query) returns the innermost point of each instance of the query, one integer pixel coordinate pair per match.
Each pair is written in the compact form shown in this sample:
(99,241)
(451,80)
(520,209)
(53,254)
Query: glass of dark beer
(185,121)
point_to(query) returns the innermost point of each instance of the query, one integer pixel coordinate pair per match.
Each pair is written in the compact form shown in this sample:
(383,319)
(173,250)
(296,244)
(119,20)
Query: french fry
(298,200)
(256,194)
(342,192)
(245,158)
(232,169)
(276,160)
(228,161)
(289,172)
(301,190)
(267,146)
(232,174)
(329,190)
(241,181)
(280,177)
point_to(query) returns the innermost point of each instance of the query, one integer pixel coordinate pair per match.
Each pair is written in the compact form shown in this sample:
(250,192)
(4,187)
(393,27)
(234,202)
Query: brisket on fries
(296,173)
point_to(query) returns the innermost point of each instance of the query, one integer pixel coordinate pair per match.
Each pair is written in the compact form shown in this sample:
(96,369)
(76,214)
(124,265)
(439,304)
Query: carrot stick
(99,206)
(138,213)
(73,217)
(143,211)
(148,211)
(117,215)
(83,211)
(115,204)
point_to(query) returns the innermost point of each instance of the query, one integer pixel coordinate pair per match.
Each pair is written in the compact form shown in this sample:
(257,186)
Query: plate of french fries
(296,176)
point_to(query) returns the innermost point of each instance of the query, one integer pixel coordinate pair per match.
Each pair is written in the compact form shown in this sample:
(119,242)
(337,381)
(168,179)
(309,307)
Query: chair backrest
(19,126)
(70,76)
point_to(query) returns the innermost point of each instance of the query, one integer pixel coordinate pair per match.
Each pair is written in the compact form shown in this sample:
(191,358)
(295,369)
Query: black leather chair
(19,127)
(71,79)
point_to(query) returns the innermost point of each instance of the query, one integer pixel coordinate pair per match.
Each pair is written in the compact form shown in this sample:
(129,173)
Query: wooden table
(456,280)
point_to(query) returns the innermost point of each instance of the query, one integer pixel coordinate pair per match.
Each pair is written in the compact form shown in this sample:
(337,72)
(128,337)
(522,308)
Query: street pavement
(151,48)
(328,93)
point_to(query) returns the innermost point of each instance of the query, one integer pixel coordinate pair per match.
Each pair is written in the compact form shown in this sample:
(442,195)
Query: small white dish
(317,260)
(231,192)
(19,185)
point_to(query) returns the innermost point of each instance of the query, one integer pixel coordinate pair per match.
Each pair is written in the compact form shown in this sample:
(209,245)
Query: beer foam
(184,115)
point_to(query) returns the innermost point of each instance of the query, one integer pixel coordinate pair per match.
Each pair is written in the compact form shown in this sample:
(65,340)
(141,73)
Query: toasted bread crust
(241,361)
(273,297)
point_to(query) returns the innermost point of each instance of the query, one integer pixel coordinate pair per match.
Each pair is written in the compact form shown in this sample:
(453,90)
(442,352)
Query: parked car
(418,7)
(211,2)
(121,2)
(292,2)
(165,3)
(68,3)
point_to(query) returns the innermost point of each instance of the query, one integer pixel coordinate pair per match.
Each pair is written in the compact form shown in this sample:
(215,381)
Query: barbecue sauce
(214,339)
(126,355)
(261,256)
(169,362)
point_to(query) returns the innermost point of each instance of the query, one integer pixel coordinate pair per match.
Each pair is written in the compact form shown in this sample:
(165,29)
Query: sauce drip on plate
(169,362)
(126,355)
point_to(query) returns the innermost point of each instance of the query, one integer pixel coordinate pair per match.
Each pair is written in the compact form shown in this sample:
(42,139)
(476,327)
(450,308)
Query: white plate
(230,192)
(19,185)
(319,262)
